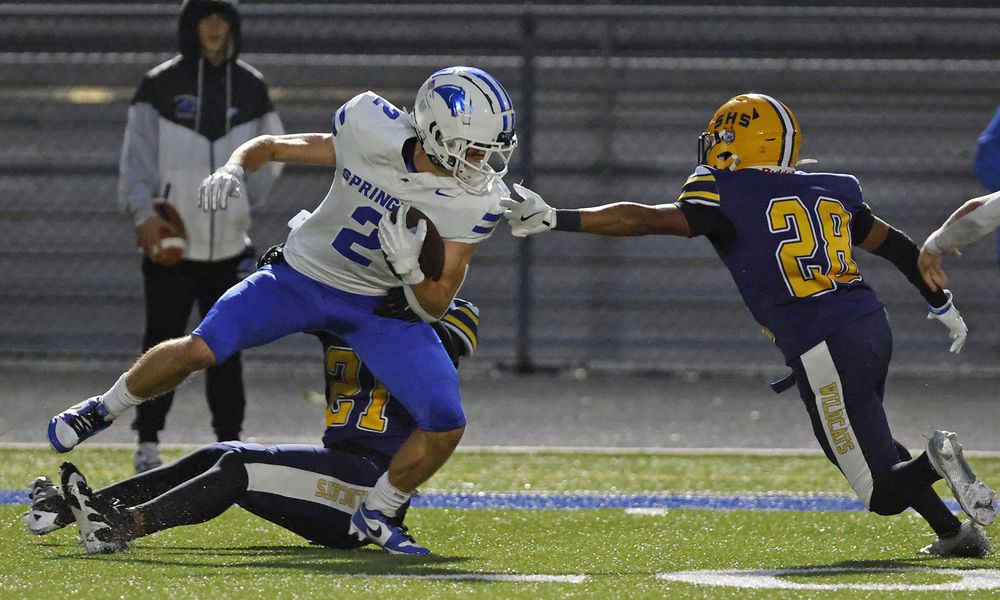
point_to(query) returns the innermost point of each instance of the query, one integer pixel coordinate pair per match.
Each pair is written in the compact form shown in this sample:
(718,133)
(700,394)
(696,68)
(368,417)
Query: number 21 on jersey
(819,256)
(343,366)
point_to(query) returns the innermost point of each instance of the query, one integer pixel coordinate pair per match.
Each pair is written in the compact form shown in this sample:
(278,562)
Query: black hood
(193,11)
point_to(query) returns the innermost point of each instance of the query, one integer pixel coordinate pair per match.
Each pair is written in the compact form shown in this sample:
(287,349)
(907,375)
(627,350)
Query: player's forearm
(304,148)
(896,247)
(982,217)
(630,219)
(432,298)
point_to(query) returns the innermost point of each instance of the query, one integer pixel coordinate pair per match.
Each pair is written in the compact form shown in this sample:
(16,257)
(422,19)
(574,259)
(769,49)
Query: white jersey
(968,228)
(338,243)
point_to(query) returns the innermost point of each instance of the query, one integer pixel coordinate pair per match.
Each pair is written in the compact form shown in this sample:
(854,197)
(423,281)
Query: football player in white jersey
(969,223)
(447,158)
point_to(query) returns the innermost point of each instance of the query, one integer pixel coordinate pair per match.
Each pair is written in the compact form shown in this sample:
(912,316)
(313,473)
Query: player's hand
(530,215)
(147,232)
(931,270)
(402,246)
(272,256)
(227,182)
(953,320)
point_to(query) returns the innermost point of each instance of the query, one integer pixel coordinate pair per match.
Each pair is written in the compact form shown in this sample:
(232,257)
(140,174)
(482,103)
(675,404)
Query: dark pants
(842,383)
(170,294)
(310,490)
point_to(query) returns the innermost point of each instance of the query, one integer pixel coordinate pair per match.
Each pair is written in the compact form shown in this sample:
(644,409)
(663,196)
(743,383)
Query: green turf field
(606,553)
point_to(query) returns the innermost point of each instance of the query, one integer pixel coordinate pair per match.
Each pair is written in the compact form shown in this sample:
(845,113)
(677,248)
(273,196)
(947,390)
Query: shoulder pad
(701,187)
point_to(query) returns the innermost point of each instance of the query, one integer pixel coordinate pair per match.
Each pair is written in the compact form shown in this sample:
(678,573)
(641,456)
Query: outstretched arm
(969,223)
(532,215)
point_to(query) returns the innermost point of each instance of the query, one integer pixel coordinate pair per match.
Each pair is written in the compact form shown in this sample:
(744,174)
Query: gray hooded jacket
(184,122)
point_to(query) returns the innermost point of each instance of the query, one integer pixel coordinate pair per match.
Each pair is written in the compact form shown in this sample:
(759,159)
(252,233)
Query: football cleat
(102,524)
(49,510)
(372,526)
(974,496)
(77,423)
(147,457)
(969,542)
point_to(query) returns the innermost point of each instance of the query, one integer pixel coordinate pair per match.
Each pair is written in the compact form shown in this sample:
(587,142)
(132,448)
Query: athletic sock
(118,398)
(930,506)
(385,498)
(918,472)
(918,475)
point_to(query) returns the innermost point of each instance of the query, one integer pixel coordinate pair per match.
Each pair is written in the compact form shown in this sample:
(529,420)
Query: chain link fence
(610,103)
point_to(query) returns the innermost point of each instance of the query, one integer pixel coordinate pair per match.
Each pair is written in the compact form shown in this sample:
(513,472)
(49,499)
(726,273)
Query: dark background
(610,101)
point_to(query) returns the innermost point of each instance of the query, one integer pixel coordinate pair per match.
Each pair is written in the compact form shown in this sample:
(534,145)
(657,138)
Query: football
(169,249)
(432,252)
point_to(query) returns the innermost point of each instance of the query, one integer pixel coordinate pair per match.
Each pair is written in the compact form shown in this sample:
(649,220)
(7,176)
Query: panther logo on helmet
(463,109)
(454,97)
(750,130)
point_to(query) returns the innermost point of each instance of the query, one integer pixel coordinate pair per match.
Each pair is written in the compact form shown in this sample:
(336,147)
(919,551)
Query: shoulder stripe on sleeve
(487,223)
(456,323)
(701,187)
(697,178)
(699,198)
(340,116)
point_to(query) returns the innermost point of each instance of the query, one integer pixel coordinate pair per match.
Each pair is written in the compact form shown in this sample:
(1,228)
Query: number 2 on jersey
(347,238)
(816,259)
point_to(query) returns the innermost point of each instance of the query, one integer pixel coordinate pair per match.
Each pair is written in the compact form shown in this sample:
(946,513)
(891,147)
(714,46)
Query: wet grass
(619,554)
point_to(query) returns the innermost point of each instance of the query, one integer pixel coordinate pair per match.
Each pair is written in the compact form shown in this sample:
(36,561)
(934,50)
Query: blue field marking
(495,500)
(13,497)
(594,501)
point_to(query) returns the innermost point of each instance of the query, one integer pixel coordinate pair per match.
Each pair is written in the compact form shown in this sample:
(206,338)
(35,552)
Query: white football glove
(218,187)
(530,215)
(953,320)
(402,246)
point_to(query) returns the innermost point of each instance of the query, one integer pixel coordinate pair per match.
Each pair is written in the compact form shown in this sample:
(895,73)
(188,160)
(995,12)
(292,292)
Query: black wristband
(567,219)
(900,250)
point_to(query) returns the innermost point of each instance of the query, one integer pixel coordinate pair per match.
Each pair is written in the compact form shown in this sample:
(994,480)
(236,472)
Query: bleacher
(610,102)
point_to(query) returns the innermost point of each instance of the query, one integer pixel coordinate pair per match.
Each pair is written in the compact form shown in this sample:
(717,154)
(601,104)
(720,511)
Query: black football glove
(272,256)
(395,306)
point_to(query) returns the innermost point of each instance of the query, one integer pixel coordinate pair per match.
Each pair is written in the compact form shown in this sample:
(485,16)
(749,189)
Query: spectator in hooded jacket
(185,120)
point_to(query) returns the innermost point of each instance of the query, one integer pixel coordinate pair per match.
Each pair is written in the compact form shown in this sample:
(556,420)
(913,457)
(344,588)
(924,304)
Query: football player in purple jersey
(787,238)
(310,490)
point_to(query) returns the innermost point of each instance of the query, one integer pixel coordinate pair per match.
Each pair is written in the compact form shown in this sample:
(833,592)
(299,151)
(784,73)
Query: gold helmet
(750,130)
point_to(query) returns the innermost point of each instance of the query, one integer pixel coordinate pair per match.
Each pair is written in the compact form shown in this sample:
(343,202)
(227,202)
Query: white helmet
(460,109)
